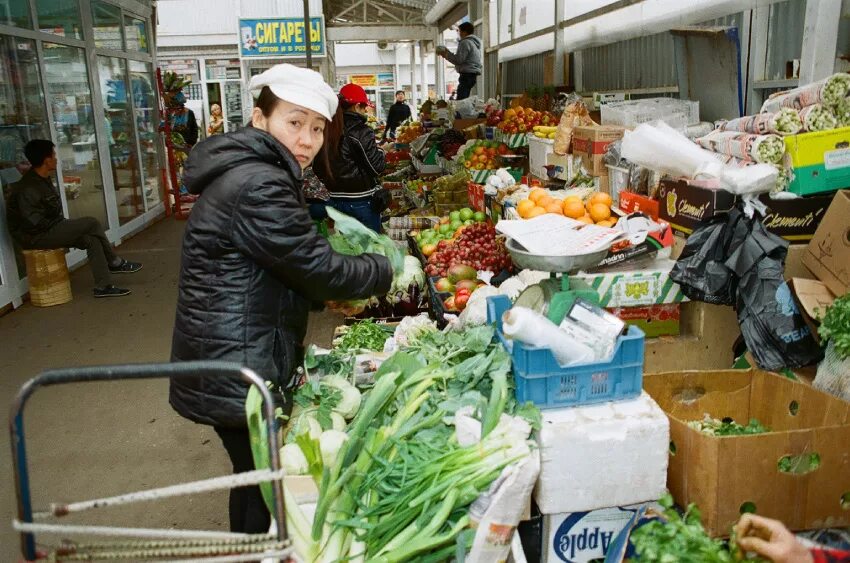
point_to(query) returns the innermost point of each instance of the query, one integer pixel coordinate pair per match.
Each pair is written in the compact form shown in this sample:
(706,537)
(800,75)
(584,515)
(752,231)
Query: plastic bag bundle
(833,374)
(784,122)
(575,115)
(767,149)
(828,91)
(818,118)
(662,148)
(783,177)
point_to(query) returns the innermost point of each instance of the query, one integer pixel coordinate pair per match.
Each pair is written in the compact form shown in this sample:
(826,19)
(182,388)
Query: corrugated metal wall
(784,37)
(277,8)
(519,74)
(644,62)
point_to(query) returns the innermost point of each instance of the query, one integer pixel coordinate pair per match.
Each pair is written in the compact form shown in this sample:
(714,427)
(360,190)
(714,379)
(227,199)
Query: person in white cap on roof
(253,262)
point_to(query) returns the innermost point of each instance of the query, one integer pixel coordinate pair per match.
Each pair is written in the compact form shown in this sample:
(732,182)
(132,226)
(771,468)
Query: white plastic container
(618,181)
(538,150)
(599,456)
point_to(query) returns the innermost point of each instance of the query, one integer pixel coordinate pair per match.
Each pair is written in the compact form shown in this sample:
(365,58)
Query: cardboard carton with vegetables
(796,471)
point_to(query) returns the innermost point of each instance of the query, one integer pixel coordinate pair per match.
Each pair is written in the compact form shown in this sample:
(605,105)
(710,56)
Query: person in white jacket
(467,59)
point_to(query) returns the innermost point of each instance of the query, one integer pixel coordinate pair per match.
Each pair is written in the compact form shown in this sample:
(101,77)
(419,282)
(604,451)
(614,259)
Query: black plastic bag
(733,260)
(771,324)
(701,270)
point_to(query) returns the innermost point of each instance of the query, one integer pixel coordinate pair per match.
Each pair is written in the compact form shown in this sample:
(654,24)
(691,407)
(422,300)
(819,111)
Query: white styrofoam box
(538,150)
(580,537)
(598,456)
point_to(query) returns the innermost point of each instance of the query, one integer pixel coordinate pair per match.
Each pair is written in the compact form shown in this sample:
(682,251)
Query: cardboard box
(647,283)
(686,205)
(475,196)
(461,124)
(797,219)
(565,165)
(810,431)
(813,298)
(581,537)
(828,253)
(631,202)
(654,320)
(538,151)
(590,143)
(821,160)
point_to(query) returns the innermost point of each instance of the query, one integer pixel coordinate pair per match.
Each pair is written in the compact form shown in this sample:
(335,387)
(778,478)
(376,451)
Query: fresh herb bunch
(364,335)
(835,325)
(727,427)
(677,538)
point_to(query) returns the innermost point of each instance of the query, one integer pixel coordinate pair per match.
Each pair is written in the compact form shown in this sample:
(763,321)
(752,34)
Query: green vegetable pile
(364,335)
(727,427)
(835,325)
(682,538)
(397,484)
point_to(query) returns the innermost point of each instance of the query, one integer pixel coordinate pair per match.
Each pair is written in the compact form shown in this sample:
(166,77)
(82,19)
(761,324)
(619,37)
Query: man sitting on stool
(36,222)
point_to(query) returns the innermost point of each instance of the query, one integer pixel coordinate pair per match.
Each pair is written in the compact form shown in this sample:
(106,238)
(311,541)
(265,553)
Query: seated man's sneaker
(126,267)
(110,291)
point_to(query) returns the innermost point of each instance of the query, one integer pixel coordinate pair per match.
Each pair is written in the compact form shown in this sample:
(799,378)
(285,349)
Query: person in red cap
(355,162)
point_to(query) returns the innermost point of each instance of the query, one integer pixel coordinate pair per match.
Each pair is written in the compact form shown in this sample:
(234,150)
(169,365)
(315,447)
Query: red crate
(631,203)
(476,196)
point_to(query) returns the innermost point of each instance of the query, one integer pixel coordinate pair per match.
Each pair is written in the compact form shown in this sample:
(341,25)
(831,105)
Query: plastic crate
(676,113)
(542,381)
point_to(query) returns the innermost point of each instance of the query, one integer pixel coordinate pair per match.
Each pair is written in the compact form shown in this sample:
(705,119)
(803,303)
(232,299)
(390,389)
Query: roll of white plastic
(533,329)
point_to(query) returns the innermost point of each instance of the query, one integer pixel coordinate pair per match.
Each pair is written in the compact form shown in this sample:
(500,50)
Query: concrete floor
(96,439)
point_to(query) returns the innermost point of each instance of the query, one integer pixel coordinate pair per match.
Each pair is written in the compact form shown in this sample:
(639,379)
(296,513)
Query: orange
(536,194)
(599,212)
(536,212)
(523,207)
(607,223)
(545,201)
(601,197)
(554,207)
(573,198)
(585,219)
(573,208)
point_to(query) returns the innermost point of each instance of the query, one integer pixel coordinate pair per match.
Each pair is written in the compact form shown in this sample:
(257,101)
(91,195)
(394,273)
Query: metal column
(439,69)
(560,52)
(423,71)
(413,75)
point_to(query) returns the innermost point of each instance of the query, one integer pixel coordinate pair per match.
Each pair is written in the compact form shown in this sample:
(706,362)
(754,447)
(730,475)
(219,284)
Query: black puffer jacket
(359,161)
(252,262)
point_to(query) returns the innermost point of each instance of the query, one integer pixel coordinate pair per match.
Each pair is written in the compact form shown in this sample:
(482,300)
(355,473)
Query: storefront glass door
(73,118)
(121,138)
(144,106)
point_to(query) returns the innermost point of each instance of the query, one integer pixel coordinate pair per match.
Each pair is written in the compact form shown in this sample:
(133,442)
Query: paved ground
(90,440)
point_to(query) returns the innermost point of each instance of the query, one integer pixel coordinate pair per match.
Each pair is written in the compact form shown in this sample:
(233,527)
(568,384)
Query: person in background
(770,539)
(183,120)
(216,125)
(398,114)
(37,222)
(316,194)
(467,59)
(253,264)
(355,162)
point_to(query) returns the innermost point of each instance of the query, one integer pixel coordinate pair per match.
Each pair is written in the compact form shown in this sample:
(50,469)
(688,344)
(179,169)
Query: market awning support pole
(423,70)
(307,31)
(560,51)
(413,76)
(820,39)
(439,68)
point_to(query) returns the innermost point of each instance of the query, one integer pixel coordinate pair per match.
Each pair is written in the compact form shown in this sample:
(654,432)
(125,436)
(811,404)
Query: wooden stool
(48,277)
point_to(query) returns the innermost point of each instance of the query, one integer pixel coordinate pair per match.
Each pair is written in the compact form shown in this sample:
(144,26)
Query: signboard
(281,37)
(386,80)
(364,80)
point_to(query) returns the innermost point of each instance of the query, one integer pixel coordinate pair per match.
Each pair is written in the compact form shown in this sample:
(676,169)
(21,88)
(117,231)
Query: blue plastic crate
(542,381)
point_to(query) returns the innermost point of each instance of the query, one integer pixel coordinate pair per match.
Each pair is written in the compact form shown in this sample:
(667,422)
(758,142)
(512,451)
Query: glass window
(226,69)
(121,136)
(135,31)
(69,95)
(233,105)
(144,103)
(15,12)
(59,17)
(23,116)
(106,21)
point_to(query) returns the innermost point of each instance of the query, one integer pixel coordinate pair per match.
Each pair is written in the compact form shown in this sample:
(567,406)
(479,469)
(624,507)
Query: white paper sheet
(555,235)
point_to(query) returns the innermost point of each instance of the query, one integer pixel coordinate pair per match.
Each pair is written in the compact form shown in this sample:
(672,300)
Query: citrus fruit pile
(595,211)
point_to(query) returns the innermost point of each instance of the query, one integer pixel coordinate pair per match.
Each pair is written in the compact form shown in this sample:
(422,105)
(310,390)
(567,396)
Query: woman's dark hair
(267,101)
(330,148)
(38,150)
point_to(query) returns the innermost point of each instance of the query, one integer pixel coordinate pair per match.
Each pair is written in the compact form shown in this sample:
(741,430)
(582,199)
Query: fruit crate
(542,381)
(514,141)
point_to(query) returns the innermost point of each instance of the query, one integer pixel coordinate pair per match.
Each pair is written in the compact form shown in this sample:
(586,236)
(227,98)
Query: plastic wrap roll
(768,149)
(533,329)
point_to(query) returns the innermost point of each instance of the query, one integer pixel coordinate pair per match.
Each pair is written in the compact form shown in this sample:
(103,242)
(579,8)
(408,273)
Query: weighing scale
(555,297)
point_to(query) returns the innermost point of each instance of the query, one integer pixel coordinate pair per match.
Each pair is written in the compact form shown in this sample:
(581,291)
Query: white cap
(299,86)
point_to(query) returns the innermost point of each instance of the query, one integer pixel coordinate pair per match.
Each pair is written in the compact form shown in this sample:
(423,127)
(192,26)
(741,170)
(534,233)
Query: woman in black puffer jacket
(252,263)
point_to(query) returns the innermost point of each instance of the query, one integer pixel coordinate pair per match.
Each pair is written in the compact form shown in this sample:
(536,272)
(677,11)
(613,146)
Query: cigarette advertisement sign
(281,37)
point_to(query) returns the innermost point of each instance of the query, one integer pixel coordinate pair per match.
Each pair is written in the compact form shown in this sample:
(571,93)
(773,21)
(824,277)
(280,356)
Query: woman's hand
(770,539)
